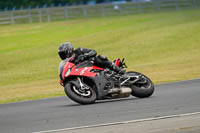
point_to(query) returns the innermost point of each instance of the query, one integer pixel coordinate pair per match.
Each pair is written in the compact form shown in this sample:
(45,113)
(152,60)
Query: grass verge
(165,46)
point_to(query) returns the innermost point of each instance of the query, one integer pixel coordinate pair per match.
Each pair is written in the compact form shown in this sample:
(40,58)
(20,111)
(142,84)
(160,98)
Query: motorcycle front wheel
(144,87)
(74,92)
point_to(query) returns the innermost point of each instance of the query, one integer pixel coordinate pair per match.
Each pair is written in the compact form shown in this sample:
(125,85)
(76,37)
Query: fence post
(40,15)
(66,13)
(30,16)
(158,4)
(102,10)
(12,19)
(177,4)
(139,6)
(120,9)
(48,15)
(195,3)
(84,12)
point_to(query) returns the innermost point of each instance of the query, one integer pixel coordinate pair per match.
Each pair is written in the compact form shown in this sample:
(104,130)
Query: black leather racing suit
(85,53)
(99,60)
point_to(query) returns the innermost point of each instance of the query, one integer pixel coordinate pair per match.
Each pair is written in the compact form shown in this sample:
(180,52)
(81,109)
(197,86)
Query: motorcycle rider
(66,50)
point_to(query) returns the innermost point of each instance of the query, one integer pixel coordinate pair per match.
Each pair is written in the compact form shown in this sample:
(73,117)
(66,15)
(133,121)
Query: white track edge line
(118,123)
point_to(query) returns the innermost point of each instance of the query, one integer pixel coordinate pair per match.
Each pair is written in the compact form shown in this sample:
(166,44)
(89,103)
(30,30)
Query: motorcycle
(85,83)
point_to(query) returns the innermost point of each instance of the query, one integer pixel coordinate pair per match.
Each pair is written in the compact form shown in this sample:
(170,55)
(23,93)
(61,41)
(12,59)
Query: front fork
(82,86)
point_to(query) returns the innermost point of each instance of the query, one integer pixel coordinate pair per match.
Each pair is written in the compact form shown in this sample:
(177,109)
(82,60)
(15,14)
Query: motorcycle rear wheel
(72,90)
(142,90)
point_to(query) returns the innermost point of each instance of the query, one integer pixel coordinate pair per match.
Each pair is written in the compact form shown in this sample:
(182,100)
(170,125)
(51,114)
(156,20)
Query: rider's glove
(81,57)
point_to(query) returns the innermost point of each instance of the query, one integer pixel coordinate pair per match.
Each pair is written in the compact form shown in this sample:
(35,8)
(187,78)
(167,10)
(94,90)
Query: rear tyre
(74,92)
(143,87)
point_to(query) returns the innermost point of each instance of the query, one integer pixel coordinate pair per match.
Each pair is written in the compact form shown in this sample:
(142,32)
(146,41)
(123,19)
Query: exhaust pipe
(125,92)
(120,92)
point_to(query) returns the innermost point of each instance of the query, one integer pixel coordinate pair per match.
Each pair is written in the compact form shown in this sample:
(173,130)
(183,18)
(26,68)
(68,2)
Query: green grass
(165,46)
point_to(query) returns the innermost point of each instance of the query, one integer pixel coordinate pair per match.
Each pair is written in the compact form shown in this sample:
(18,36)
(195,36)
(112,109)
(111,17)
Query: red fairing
(66,67)
(117,62)
(85,71)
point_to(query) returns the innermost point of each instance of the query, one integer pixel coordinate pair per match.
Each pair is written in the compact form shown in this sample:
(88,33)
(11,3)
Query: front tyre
(144,87)
(74,92)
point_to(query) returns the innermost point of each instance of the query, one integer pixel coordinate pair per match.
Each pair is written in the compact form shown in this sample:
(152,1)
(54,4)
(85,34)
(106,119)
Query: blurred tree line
(19,4)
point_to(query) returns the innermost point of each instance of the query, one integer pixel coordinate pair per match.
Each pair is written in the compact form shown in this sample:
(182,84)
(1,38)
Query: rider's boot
(118,69)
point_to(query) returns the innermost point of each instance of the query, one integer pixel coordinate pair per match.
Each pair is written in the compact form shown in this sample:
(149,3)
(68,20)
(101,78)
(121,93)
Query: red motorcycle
(85,83)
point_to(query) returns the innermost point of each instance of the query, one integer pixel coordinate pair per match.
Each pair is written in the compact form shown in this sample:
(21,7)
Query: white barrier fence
(71,12)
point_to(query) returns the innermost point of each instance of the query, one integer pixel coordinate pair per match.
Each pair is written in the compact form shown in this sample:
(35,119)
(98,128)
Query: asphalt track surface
(58,113)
